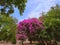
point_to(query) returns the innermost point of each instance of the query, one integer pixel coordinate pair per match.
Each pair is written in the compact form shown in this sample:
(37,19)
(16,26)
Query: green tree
(52,22)
(10,4)
(8,28)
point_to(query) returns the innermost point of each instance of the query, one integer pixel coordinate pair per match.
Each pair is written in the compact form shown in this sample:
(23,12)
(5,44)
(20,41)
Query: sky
(34,8)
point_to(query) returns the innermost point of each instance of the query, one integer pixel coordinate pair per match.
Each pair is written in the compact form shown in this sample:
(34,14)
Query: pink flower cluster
(29,26)
(21,36)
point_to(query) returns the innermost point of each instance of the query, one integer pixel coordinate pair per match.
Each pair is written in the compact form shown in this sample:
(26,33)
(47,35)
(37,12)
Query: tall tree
(7,6)
(7,28)
(52,22)
(31,28)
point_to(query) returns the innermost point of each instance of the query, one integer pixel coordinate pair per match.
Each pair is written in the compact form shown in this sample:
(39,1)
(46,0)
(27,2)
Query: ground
(4,43)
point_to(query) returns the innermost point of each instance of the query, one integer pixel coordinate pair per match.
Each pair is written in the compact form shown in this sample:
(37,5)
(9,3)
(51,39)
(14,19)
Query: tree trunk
(22,42)
(30,42)
(53,42)
(48,42)
(41,42)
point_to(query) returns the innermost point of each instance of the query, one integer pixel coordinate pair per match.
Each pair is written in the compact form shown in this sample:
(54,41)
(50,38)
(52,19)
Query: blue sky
(34,8)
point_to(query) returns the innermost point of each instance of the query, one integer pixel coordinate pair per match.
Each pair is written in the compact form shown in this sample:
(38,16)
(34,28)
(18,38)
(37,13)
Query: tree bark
(22,42)
(41,42)
(30,42)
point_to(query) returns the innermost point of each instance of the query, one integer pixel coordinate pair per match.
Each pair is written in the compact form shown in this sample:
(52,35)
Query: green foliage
(54,12)
(52,21)
(8,28)
(10,4)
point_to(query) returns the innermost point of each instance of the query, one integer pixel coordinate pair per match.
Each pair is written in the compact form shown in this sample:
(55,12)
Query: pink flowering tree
(31,29)
(21,37)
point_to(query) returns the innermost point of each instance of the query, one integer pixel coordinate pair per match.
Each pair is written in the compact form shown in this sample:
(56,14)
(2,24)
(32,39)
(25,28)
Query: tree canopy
(7,28)
(31,28)
(52,22)
(7,6)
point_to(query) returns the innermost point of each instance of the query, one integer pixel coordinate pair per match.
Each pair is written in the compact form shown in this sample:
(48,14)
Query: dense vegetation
(44,29)
(7,6)
(8,24)
(31,28)
(7,28)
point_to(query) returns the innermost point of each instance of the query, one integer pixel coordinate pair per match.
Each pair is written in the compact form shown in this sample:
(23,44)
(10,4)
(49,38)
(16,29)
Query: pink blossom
(29,26)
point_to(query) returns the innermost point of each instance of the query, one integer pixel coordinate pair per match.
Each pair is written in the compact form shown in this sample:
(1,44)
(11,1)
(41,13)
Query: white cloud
(42,5)
(34,14)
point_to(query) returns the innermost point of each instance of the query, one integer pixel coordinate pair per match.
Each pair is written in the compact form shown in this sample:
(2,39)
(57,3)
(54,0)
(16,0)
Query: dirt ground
(19,44)
(4,43)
